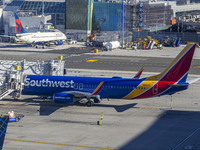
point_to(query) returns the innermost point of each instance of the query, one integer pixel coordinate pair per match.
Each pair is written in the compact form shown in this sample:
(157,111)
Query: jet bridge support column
(54,67)
(14,81)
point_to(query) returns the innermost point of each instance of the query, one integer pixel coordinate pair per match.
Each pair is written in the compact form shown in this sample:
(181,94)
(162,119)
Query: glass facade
(78,14)
(55,9)
(107,16)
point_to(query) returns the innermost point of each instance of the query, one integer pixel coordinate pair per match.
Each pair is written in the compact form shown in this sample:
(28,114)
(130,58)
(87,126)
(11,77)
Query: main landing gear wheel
(89,103)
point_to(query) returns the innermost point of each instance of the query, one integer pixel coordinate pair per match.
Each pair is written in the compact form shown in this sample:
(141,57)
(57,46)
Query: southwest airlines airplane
(3,128)
(23,35)
(70,89)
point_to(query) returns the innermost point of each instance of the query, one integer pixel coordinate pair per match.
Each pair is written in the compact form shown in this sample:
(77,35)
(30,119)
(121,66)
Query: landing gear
(96,101)
(16,95)
(89,103)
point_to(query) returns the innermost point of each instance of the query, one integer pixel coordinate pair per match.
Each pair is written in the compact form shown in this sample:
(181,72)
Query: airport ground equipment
(146,43)
(13,74)
(171,42)
(92,37)
(3,128)
(112,45)
(14,117)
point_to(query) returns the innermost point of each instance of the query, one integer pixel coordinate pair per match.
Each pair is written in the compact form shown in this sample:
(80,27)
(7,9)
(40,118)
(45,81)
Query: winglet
(3,128)
(137,76)
(19,27)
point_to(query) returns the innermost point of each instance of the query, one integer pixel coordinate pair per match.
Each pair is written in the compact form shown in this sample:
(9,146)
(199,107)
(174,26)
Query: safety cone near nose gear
(11,114)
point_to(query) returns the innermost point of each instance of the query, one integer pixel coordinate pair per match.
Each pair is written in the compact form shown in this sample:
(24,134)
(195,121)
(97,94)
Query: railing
(5,91)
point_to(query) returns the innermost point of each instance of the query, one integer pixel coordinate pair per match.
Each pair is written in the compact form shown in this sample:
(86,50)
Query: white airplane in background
(24,36)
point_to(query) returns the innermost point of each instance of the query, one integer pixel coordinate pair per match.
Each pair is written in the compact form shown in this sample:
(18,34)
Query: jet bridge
(13,74)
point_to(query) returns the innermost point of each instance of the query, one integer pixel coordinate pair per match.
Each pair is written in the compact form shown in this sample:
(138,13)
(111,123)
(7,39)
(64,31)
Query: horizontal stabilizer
(179,85)
(193,80)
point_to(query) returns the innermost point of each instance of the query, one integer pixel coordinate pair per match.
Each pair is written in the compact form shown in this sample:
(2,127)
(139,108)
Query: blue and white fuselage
(115,87)
(71,88)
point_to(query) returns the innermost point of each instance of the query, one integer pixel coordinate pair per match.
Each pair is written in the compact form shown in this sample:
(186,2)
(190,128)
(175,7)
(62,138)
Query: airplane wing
(79,93)
(83,94)
(137,76)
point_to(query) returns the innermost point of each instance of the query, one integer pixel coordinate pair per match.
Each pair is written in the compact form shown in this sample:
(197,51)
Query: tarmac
(166,52)
(146,124)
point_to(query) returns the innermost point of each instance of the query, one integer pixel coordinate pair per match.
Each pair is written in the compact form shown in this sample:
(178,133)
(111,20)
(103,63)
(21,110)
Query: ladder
(5,91)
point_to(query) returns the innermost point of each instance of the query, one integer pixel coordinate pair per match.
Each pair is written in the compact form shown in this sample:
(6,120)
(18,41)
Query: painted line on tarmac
(196,67)
(151,108)
(68,145)
(91,60)
(117,63)
(189,136)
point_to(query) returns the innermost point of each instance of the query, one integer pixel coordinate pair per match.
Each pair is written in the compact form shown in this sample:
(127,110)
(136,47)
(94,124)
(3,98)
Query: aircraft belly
(42,91)
(114,93)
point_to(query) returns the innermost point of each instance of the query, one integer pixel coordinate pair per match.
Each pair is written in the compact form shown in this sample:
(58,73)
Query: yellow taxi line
(69,145)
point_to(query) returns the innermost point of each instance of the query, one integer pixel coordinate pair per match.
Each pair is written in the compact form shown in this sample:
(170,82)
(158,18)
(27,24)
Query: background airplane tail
(3,128)
(19,27)
(177,71)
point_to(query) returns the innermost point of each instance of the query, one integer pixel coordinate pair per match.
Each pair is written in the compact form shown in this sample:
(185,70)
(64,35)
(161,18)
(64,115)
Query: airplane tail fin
(3,128)
(177,71)
(19,27)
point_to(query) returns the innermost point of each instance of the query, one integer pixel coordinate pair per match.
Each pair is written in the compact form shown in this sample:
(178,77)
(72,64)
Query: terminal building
(79,16)
(34,15)
(68,16)
(93,15)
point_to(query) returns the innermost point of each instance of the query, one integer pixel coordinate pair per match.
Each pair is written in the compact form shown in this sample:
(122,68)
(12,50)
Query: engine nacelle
(63,98)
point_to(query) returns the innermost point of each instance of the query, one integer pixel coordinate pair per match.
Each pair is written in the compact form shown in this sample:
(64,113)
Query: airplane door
(155,89)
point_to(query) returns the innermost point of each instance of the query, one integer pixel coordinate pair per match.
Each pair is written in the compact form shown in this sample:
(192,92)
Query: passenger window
(76,86)
(80,86)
